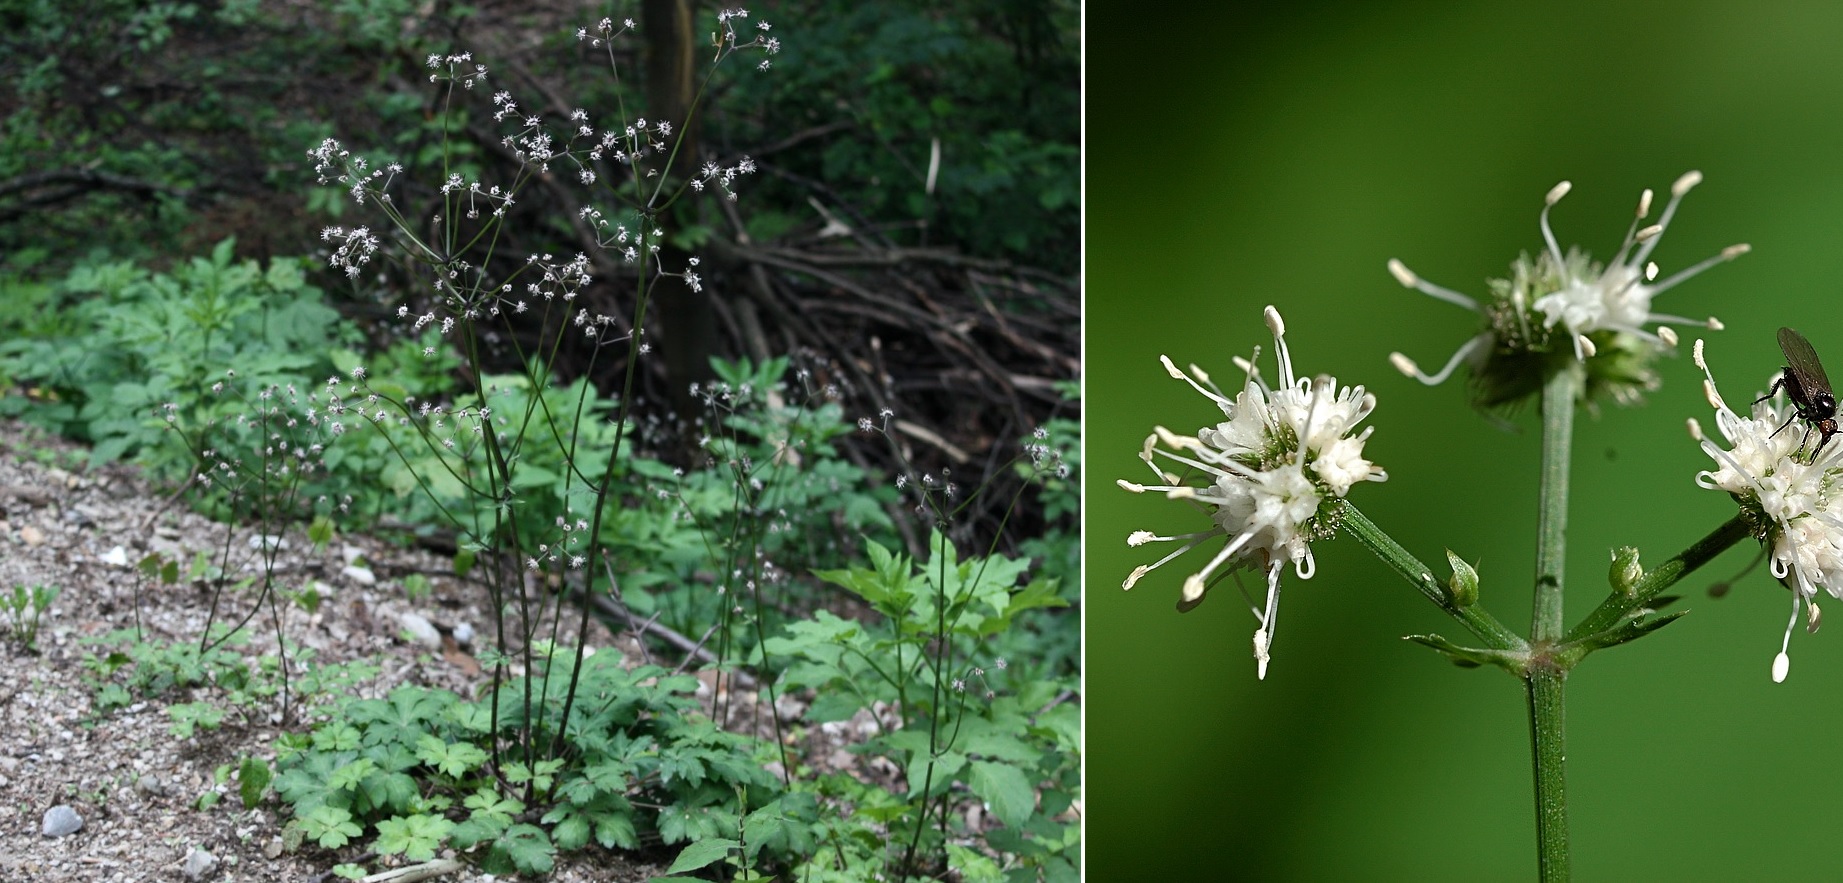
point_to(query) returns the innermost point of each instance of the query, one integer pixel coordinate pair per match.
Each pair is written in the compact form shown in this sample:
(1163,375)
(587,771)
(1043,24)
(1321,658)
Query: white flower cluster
(1264,475)
(1570,292)
(1799,503)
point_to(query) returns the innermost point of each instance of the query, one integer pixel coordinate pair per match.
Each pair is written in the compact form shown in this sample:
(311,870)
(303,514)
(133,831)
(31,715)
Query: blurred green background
(1242,156)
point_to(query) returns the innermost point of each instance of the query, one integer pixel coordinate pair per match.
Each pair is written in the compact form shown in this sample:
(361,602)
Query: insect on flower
(1805,384)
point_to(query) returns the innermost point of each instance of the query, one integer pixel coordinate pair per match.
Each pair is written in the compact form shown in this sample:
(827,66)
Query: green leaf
(530,851)
(320,532)
(329,826)
(416,837)
(570,834)
(1004,789)
(351,775)
(701,854)
(616,831)
(946,768)
(451,759)
(1470,657)
(252,780)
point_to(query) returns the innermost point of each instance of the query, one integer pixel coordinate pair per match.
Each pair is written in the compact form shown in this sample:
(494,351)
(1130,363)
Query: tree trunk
(687,323)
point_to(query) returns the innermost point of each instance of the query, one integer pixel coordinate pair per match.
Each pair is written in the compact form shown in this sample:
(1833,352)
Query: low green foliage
(418,770)
(135,669)
(101,354)
(957,727)
(25,607)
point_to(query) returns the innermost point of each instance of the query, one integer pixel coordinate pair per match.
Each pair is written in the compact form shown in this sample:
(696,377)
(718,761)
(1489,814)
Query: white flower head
(1794,503)
(1559,307)
(1269,475)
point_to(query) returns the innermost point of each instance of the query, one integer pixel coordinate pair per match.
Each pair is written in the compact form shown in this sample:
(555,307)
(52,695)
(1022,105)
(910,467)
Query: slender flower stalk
(1270,476)
(1794,507)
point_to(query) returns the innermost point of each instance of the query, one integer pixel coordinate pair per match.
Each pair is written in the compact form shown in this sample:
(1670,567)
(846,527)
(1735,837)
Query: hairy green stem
(1544,680)
(1474,617)
(1548,734)
(1558,400)
(1617,606)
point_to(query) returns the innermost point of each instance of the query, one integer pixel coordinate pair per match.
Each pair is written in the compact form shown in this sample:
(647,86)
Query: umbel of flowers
(1790,497)
(1270,477)
(1562,307)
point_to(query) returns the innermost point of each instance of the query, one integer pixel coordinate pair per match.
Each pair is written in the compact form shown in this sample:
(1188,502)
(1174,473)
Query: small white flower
(1264,475)
(1797,506)
(1567,293)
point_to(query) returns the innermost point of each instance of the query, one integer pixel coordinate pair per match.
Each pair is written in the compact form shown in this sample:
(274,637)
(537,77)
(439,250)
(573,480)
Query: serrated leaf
(702,853)
(416,837)
(616,831)
(571,833)
(528,848)
(1004,789)
(936,772)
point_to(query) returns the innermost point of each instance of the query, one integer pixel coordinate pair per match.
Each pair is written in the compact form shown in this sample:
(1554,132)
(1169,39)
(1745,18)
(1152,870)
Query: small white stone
(117,556)
(199,863)
(360,575)
(420,629)
(61,820)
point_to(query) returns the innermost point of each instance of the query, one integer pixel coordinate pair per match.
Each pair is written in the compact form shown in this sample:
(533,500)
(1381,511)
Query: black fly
(1805,384)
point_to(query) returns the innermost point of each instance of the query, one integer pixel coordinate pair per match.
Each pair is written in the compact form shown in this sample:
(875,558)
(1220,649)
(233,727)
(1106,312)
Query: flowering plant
(1274,475)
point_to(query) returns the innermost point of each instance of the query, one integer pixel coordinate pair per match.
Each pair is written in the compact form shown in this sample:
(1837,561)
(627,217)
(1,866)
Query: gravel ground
(132,782)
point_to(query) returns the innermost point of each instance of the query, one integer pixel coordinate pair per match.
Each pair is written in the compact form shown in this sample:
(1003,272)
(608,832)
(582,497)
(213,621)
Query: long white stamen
(1548,202)
(1282,354)
(1727,254)
(1408,280)
(1782,663)
(1682,186)
(1263,637)
(1631,233)
(1406,365)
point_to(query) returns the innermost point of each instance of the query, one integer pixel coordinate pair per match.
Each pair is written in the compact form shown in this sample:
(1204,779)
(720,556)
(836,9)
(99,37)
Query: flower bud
(1625,572)
(1462,588)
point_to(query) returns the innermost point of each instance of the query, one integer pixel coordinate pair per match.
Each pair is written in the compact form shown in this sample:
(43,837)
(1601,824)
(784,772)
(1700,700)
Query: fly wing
(1802,359)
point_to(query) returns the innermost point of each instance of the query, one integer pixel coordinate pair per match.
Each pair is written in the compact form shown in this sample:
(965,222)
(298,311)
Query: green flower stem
(1476,618)
(1558,403)
(1548,733)
(1543,679)
(1617,606)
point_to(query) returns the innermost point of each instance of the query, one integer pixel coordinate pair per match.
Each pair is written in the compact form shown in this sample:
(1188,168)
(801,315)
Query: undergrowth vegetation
(792,571)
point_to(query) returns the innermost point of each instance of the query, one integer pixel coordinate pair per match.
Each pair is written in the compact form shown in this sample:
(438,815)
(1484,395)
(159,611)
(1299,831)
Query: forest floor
(137,786)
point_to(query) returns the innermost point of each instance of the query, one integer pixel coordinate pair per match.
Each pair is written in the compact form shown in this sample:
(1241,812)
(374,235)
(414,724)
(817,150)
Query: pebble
(270,541)
(117,556)
(61,820)
(199,863)
(420,629)
(32,536)
(361,575)
(150,785)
